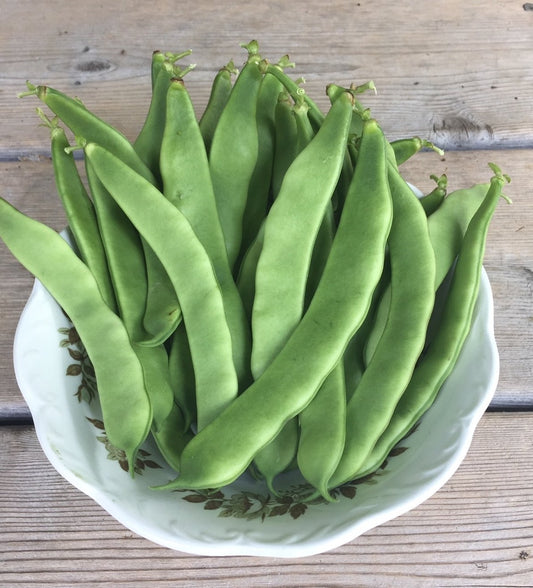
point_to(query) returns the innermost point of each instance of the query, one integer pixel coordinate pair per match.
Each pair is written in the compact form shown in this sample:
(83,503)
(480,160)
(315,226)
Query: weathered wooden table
(459,74)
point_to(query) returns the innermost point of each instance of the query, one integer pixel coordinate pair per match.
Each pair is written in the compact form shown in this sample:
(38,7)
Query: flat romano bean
(49,258)
(191,273)
(446,226)
(125,257)
(172,436)
(187,185)
(388,373)
(220,91)
(126,262)
(321,249)
(281,451)
(285,141)
(154,363)
(443,351)
(321,440)
(181,373)
(233,152)
(432,200)
(322,437)
(79,210)
(260,182)
(161,302)
(305,193)
(315,114)
(278,455)
(294,133)
(83,123)
(224,449)
(247,271)
(148,142)
(404,149)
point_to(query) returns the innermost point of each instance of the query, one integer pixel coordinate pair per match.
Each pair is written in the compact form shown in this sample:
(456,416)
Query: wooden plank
(459,73)
(509,259)
(476,531)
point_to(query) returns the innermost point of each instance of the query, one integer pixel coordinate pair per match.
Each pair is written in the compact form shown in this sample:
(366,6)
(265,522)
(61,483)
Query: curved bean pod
(233,152)
(148,142)
(293,133)
(80,212)
(160,300)
(187,185)
(223,450)
(172,436)
(83,123)
(247,271)
(285,141)
(443,351)
(322,438)
(446,226)
(154,363)
(49,258)
(412,298)
(190,271)
(432,200)
(220,91)
(260,182)
(125,257)
(305,193)
(181,373)
(404,149)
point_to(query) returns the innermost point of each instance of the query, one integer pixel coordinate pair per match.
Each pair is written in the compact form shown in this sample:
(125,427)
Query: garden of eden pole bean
(256,285)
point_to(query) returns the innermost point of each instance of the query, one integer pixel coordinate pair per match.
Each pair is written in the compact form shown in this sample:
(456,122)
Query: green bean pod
(321,441)
(125,257)
(260,182)
(443,351)
(187,185)
(285,142)
(305,193)
(278,455)
(161,302)
(247,271)
(220,91)
(412,299)
(154,363)
(84,124)
(233,152)
(181,373)
(432,200)
(294,133)
(446,226)
(172,436)
(158,58)
(191,273)
(80,213)
(224,449)
(49,258)
(148,142)
(322,437)
(292,87)
(404,149)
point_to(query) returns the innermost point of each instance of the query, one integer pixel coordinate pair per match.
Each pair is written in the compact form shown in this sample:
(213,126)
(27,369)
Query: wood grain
(476,531)
(458,73)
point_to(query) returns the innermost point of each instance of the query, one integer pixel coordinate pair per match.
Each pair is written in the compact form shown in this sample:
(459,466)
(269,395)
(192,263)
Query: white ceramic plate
(243,519)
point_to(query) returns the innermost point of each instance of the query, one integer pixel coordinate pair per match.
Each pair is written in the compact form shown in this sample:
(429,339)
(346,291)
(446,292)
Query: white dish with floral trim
(242,519)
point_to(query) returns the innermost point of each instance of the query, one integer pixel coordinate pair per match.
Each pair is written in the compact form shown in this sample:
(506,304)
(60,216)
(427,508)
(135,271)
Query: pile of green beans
(256,286)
